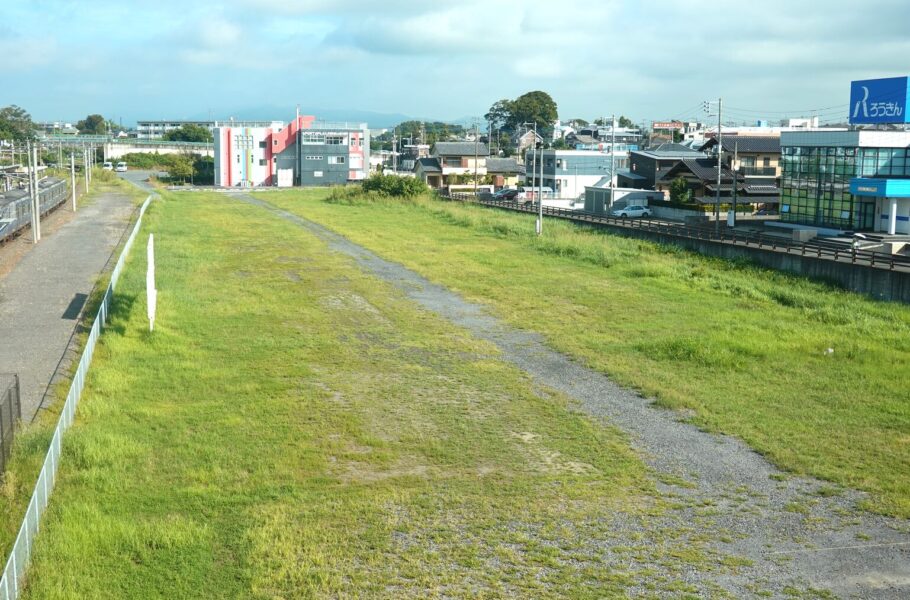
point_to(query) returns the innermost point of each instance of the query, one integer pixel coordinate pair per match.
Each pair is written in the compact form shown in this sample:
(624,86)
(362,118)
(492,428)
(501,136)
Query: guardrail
(813,248)
(18,560)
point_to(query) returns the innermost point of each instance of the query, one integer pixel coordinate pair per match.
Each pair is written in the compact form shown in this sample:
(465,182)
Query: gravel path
(797,533)
(42,296)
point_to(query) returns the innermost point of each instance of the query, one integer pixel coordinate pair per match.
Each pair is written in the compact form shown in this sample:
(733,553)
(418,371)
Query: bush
(392,185)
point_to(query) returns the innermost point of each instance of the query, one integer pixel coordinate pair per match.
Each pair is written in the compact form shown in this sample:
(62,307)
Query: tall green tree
(534,107)
(625,121)
(499,114)
(92,125)
(16,124)
(189,133)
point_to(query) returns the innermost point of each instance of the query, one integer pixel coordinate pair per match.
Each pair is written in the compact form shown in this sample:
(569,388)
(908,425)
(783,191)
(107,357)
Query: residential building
(303,152)
(646,167)
(505,172)
(601,137)
(848,180)
(568,172)
(754,158)
(525,139)
(155,130)
(700,175)
(452,160)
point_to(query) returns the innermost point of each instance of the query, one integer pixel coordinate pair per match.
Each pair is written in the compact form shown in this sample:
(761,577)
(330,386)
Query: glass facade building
(817,171)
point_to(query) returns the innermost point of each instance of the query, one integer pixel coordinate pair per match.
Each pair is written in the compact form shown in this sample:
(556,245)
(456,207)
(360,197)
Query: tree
(92,125)
(534,107)
(188,133)
(578,123)
(499,114)
(679,190)
(626,122)
(181,168)
(16,124)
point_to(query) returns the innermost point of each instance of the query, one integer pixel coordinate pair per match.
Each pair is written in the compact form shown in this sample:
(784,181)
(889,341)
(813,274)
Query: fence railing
(10,414)
(812,248)
(17,563)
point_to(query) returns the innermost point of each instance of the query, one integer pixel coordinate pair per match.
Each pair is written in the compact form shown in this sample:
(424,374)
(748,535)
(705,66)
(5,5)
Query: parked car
(766,211)
(121,167)
(107,166)
(506,194)
(633,210)
(485,195)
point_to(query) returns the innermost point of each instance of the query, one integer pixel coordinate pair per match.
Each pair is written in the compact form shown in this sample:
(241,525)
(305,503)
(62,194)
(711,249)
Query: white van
(108,166)
(121,167)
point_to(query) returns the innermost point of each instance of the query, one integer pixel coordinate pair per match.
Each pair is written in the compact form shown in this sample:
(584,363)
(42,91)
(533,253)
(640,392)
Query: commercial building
(852,180)
(303,152)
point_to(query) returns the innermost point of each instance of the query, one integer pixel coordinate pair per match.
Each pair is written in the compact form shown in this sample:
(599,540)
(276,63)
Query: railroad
(817,248)
(16,209)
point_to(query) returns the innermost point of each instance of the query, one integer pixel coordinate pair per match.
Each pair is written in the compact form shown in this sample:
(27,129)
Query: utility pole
(85,167)
(32,191)
(720,153)
(539,186)
(476,158)
(735,169)
(73,178)
(612,156)
(394,155)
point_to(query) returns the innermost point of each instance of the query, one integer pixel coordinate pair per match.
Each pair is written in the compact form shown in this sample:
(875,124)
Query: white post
(612,157)
(85,167)
(892,216)
(150,291)
(73,178)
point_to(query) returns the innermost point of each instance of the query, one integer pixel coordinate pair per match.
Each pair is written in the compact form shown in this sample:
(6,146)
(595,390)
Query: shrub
(392,185)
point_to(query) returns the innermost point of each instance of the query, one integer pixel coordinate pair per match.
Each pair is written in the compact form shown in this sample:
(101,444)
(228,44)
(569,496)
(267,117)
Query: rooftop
(769,144)
(461,149)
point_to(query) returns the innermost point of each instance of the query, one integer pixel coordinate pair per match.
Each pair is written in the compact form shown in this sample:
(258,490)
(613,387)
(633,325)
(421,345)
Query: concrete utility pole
(73,178)
(33,190)
(612,156)
(85,167)
(476,158)
(539,187)
(735,169)
(394,154)
(720,151)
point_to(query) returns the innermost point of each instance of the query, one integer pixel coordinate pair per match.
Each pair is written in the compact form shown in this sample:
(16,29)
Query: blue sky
(649,59)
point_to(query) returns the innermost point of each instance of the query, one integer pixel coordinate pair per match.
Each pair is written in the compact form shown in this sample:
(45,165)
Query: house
(528,139)
(756,159)
(505,172)
(568,172)
(452,160)
(646,167)
(700,175)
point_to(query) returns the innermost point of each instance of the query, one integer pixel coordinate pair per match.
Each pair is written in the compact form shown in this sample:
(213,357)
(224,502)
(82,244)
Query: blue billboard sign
(879,100)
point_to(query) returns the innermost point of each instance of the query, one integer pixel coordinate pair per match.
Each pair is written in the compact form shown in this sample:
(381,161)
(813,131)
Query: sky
(647,59)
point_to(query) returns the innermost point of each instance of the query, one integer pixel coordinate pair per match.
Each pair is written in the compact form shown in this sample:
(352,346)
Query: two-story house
(450,160)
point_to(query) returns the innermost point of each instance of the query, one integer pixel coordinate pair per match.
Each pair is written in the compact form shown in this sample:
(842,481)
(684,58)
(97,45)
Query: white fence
(18,560)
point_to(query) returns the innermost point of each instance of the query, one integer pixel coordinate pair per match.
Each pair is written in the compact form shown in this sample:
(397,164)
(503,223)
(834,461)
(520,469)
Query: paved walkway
(826,544)
(42,296)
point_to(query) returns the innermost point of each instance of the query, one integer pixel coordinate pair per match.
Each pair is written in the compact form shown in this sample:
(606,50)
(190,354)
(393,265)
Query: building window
(317,173)
(262,162)
(314,158)
(767,162)
(312,138)
(335,140)
(262,144)
(336,160)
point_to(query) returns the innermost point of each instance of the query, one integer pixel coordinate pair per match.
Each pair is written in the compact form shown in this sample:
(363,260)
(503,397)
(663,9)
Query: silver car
(633,210)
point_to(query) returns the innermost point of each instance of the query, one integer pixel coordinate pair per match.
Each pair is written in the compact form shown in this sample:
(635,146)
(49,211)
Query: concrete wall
(878,283)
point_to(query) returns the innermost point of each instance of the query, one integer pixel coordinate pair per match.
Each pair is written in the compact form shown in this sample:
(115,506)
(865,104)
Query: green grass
(740,349)
(296,428)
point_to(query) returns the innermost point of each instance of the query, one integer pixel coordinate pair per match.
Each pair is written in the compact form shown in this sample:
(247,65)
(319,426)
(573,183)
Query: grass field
(739,349)
(295,428)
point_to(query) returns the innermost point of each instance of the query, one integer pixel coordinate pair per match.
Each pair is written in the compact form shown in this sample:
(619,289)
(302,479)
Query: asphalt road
(41,297)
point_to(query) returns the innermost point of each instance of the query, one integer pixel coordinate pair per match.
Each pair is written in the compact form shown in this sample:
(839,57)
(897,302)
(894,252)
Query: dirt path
(44,286)
(796,533)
